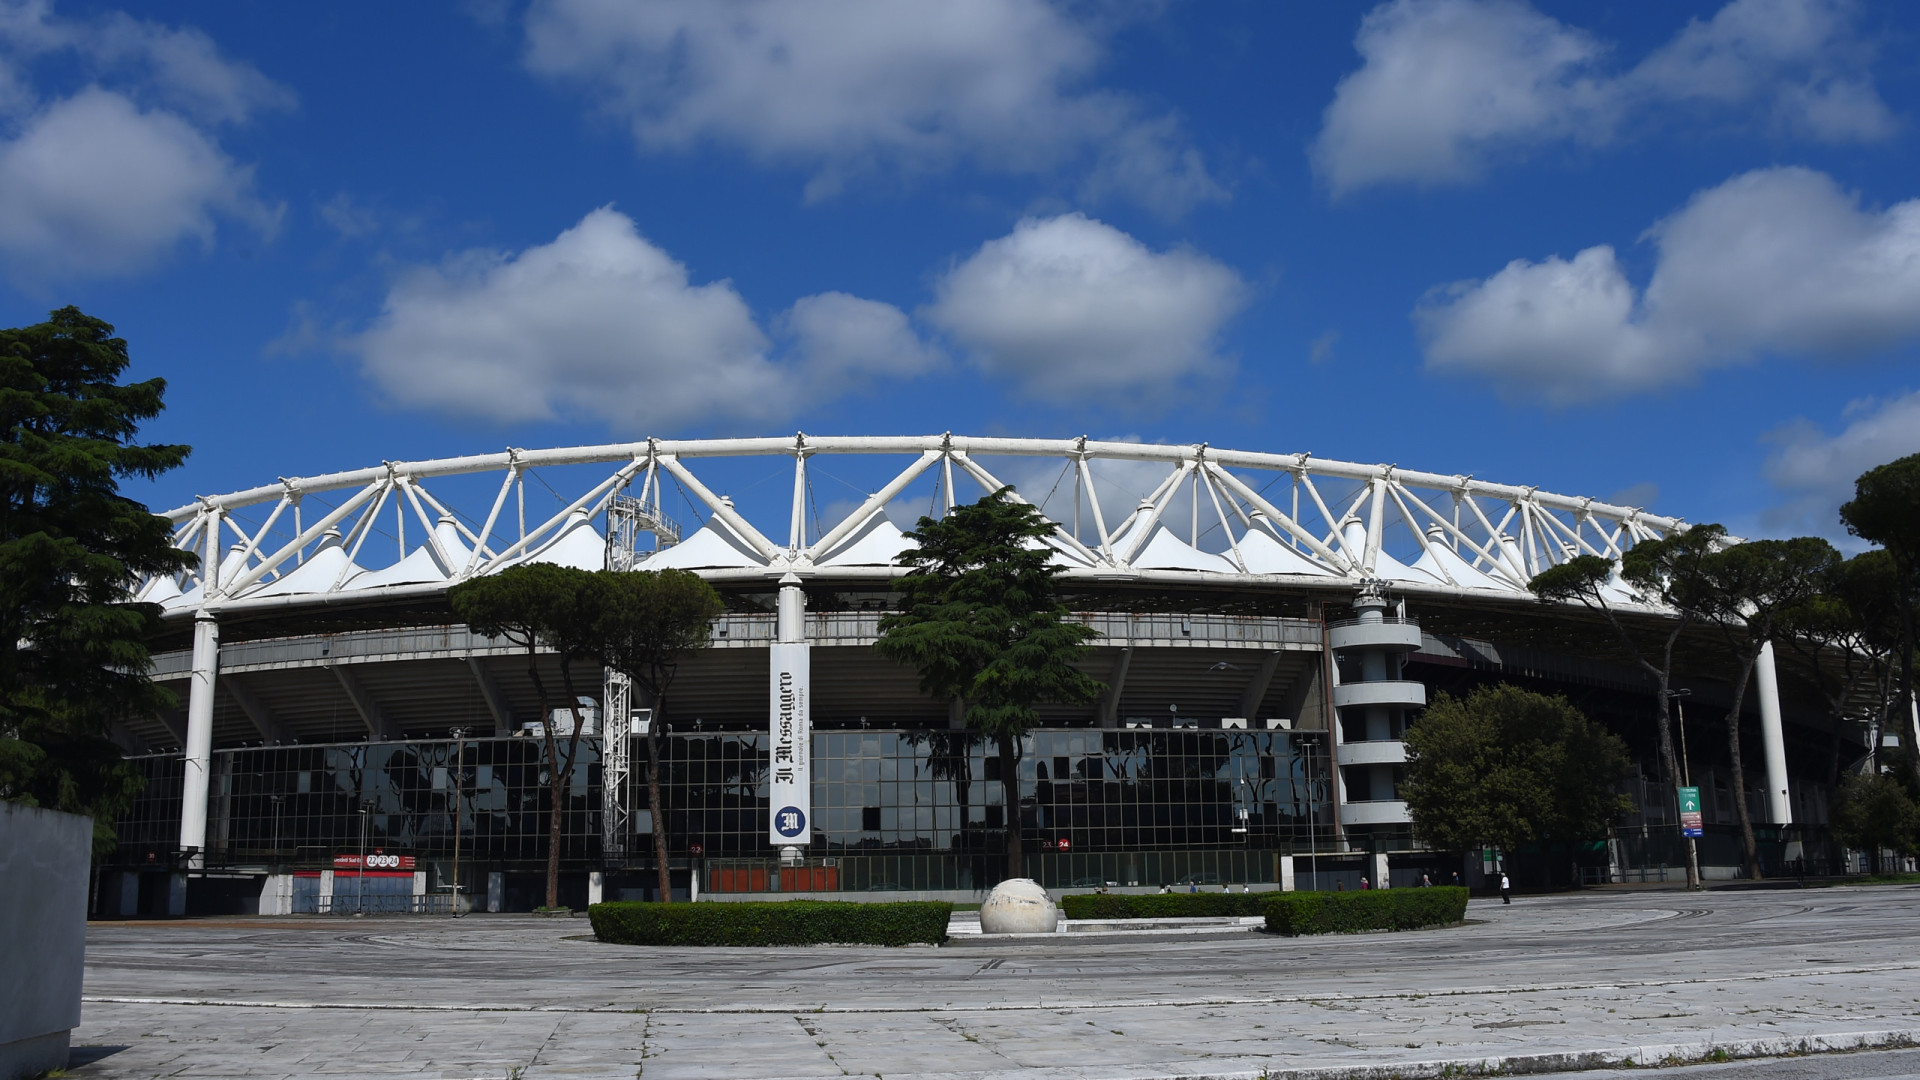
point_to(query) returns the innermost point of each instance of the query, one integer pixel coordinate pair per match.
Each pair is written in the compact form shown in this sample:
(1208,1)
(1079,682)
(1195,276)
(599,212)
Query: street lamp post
(1679,698)
(360,880)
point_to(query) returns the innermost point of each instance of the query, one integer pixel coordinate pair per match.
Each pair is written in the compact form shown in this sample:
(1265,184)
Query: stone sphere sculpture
(1019,906)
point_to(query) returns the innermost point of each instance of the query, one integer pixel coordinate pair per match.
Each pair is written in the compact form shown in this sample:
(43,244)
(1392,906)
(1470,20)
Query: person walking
(1365,884)
(1426,882)
(1506,889)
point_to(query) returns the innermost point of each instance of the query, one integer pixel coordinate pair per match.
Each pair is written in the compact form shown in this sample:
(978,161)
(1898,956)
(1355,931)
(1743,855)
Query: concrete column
(199,748)
(1380,881)
(1773,742)
(496,891)
(176,894)
(596,886)
(789,726)
(1286,873)
(791,612)
(325,901)
(276,895)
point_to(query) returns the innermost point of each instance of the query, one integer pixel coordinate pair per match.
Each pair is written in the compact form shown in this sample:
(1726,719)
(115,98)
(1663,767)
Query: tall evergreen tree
(650,622)
(1505,767)
(981,621)
(1747,590)
(536,605)
(1662,571)
(72,547)
(1885,509)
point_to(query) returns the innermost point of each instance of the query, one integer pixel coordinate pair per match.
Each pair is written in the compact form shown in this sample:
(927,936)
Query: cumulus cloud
(1448,87)
(841,339)
(95,185)
(1069,306)
(602,324)
(1773,261)
(1815,471)
(849,87)
(111,178)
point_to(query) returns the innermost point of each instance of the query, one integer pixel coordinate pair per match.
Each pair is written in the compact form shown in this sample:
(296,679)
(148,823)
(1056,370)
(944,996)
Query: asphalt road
(1569,982)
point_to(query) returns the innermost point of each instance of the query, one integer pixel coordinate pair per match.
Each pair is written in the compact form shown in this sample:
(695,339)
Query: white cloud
(1773,261)
(850,87)
(1443,83)
(178,67)
(841,339)
(1069,306)
(1448,87)
(1816,471)
(95,185)
(112,178)
(604,325)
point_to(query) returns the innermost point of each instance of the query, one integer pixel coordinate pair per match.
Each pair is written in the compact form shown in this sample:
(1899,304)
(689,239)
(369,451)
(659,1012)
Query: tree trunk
(1908,720)
(562,772)
(553,816)
(1749,846)
(653,800)
(553,787)
(1010,788)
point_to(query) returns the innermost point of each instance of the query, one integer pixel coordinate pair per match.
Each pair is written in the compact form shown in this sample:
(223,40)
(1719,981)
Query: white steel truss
(1266,516)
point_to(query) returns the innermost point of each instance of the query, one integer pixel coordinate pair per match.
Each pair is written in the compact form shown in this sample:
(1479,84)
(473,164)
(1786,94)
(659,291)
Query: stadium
(1268,623)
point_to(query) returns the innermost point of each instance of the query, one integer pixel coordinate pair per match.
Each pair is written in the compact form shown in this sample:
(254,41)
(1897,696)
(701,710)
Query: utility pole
(1686,779)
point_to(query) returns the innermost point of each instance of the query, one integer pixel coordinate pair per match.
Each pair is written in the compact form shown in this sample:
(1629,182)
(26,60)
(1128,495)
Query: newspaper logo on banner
(790,725)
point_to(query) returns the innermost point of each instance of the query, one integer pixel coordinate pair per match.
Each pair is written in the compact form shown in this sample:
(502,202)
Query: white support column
(1773,741)
(596,886)
(199,748)
(790,725)
(1286,873)
(1380,871)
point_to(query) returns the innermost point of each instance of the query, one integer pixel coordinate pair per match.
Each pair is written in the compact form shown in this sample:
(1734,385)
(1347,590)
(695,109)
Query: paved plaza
(1564,983)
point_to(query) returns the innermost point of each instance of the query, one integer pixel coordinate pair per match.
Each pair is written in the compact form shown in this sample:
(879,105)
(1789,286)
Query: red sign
(1063,843)
(373,862)
(696,850)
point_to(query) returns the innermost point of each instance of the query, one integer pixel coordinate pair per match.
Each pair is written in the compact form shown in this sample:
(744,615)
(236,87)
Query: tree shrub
(1374,909)
(790,922)
(1163,905)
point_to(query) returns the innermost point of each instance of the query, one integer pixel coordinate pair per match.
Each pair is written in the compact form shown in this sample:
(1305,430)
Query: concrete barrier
(44,858)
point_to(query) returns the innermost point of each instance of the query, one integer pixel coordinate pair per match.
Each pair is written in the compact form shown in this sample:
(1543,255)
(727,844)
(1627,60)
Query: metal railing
(374,904)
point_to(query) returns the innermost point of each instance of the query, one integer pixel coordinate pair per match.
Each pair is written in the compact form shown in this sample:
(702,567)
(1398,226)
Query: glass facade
(906,809)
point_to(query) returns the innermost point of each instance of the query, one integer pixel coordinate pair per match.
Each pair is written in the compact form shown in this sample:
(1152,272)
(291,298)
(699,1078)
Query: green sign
(1691,823)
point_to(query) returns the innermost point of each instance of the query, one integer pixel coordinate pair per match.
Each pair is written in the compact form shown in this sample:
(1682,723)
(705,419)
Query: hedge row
(1163,905)
(791,922)
(1375,909)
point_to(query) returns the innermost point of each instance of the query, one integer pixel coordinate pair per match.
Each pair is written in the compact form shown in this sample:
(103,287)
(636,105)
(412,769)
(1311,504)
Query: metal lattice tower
(627,517)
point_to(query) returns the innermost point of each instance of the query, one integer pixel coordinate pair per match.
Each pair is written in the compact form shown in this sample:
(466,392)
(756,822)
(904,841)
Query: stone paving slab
(1561,982)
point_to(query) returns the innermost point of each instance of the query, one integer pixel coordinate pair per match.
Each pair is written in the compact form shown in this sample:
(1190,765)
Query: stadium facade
(1267,622)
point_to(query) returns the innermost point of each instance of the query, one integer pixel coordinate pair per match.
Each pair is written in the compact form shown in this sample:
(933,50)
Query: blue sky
(1665,253)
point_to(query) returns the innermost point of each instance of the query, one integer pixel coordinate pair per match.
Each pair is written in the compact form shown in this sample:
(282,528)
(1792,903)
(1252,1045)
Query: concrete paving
(1569,982)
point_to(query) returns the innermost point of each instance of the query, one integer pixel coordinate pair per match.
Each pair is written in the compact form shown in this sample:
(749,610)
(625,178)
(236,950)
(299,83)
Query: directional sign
(1691,824)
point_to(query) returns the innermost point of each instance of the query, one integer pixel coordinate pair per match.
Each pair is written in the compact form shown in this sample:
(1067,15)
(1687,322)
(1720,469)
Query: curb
(1652,1056)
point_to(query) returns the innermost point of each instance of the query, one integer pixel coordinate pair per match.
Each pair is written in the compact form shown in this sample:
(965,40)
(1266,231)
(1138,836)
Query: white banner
(790,725)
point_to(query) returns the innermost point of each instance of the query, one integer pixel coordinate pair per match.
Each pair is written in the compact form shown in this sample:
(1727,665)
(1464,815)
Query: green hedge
(791,922)
(1163,905)
(1373,909)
